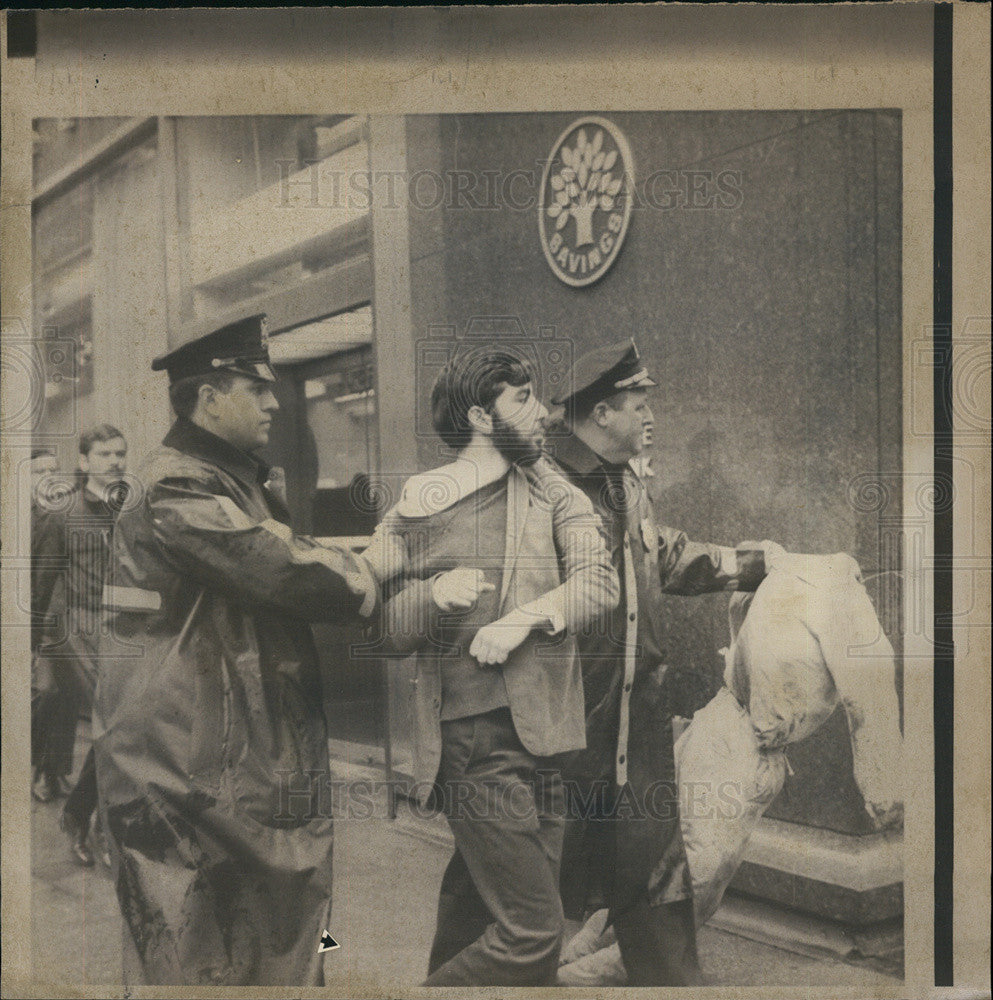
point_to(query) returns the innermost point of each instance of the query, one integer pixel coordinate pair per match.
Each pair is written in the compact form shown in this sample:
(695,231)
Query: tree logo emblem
(585,203)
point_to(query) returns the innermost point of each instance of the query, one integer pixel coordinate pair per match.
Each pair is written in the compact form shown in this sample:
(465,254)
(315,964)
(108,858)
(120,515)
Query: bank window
(325,433)
(63,267)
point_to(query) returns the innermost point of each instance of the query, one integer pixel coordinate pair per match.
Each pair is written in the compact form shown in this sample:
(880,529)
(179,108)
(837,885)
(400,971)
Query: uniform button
(632,616)
(627,687)
(621,759)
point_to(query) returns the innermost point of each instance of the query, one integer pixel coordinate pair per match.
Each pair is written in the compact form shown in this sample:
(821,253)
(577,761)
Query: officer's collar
(576,454)
(192,439)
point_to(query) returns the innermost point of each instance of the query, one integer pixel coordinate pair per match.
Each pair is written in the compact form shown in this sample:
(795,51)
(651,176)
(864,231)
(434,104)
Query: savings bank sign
(585,203)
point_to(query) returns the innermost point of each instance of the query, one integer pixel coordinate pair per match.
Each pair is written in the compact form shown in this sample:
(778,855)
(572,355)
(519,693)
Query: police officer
(623,837)
(210,737)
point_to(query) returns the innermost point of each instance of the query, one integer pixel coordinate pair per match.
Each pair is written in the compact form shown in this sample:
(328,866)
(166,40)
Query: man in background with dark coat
(77,599)
(210,738)
(623,832)
(51,758)
(71,544)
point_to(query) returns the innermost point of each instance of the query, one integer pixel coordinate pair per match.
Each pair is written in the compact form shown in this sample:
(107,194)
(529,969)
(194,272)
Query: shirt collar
(191,439)
(95,503)
(91,495)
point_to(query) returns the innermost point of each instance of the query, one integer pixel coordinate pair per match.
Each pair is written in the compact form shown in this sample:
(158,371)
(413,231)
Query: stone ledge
(857,881)
(859,863)
(880,948)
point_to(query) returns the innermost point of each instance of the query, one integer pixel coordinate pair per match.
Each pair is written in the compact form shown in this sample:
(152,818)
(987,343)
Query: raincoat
(210,739)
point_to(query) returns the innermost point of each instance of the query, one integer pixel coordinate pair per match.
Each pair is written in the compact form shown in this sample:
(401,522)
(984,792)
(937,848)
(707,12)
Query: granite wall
(760,277)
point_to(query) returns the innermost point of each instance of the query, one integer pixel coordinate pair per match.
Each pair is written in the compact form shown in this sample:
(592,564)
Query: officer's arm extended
(687,567)
(219,547)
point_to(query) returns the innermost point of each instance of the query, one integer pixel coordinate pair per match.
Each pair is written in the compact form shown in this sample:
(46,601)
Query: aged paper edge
(787,58)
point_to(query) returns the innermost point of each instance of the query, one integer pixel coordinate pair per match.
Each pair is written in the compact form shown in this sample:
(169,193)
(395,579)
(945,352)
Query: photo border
(446,64)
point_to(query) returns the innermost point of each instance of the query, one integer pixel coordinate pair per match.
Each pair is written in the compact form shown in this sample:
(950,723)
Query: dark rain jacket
(209,730)
(627,771)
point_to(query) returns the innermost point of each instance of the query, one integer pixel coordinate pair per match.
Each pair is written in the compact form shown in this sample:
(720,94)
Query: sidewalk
(387,875)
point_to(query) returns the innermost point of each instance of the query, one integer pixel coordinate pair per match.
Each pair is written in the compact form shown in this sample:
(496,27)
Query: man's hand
(495,642)
(459,589)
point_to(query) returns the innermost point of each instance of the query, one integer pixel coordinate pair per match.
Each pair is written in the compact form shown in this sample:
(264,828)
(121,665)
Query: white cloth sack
(811,639)
(727,781)
(808,638)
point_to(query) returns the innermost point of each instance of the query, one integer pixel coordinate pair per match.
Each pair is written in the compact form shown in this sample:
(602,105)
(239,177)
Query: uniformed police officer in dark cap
(630,851)
(211,744)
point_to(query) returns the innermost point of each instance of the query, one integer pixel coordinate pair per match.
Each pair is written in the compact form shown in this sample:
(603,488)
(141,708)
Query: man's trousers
(500,917)
(657,937)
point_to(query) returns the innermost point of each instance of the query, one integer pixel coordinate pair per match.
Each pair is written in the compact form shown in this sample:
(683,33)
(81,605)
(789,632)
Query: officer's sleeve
(207,537)
(409,616)
(687,567)
(589,587)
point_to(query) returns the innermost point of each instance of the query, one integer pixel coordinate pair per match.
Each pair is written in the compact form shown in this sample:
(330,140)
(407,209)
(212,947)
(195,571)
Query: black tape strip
(944,654)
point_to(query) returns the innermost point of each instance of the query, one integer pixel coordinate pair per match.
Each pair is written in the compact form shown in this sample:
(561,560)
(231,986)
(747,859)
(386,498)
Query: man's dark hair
(183,394)
(101,432)
(472,378)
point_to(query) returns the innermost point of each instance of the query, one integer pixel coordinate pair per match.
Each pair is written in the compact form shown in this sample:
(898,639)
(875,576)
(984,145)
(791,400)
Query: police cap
(602,372)
(241,347)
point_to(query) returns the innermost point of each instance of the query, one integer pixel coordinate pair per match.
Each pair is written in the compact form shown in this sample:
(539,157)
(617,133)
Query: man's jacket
(72,554)
(210,737)
(628,715)
(555,555)
(70,549)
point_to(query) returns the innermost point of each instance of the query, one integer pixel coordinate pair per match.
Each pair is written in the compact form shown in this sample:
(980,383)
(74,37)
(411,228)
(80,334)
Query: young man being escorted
(494,561)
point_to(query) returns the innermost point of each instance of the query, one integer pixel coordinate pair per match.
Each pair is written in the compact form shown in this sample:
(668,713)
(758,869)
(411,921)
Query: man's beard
(513,445)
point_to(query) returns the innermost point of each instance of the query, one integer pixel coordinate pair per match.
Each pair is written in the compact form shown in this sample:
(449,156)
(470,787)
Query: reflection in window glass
(326,435)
